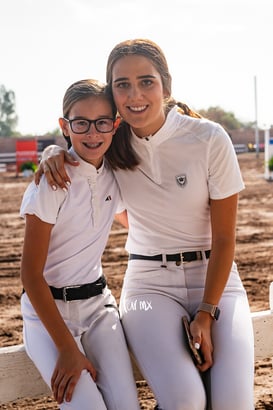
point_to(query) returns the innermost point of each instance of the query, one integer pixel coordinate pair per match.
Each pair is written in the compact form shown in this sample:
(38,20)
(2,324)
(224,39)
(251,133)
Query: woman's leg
(231,378)
(104,344)
(153,328)
(232,375)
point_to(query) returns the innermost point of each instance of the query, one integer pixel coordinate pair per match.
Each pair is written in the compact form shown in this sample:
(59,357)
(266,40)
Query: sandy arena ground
(254,257)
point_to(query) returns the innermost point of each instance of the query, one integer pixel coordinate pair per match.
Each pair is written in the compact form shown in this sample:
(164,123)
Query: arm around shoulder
(52,164)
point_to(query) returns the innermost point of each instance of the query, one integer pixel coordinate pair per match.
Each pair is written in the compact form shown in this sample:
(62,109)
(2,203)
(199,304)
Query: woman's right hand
(67,372)
(52,165)
(200,329)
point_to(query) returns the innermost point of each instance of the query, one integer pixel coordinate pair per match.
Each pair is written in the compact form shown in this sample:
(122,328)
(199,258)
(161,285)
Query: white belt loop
(204,257)
(164,261)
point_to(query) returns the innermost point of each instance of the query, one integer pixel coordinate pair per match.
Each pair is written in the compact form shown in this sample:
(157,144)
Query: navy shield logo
(181,180)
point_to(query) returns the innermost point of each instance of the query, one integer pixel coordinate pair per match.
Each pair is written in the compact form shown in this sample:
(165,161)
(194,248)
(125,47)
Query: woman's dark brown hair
(121,153)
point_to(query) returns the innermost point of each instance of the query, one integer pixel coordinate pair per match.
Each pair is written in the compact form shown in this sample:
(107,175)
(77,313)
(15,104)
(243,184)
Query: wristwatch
(213,310)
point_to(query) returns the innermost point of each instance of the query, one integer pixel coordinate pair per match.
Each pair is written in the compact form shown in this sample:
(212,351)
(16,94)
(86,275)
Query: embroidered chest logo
(181,180)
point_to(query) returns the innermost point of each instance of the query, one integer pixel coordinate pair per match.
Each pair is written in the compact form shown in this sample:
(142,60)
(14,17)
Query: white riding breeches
(153,300)
(99,335)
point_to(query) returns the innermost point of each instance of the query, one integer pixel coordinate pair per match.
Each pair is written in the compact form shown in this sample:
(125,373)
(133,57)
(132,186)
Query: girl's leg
(43,353)
(153,328)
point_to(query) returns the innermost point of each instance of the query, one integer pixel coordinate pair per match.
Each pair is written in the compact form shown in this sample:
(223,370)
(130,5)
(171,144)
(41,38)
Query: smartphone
(195,353)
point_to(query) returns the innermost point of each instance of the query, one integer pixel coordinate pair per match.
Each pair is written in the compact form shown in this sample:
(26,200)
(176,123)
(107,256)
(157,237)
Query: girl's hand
(52,165)
(200,329)
(67,373)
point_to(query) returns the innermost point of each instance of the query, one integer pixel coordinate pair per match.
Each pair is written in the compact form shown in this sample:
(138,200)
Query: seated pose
(179,179)
(71,325)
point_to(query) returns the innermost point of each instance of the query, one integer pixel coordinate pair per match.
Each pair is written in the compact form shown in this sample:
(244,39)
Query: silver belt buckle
(65,291)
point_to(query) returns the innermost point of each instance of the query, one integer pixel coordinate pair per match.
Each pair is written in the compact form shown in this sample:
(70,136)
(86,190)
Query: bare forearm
(45,307)
(219,266)
(223,225)
(50,151)
(122,218)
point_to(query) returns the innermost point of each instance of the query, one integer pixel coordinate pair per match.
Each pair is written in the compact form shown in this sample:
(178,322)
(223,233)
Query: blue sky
(214,48)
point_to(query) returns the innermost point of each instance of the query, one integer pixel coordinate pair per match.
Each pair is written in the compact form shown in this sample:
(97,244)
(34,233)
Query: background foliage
(9,118)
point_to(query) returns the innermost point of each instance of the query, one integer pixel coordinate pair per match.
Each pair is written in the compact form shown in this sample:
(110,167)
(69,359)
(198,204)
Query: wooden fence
(19,378)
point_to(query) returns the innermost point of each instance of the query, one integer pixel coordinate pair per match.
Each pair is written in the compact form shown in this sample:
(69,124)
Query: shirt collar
(85,168)
(163,133)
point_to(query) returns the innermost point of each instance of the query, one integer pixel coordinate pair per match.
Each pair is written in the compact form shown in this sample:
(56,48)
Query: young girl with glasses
(72,330)
(179,179)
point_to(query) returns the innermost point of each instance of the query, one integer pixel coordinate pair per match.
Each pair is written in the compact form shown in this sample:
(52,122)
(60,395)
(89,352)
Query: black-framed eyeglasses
(82,125)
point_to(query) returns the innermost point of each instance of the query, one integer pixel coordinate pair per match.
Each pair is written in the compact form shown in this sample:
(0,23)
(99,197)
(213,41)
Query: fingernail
(54,187)
(64,189)
(197,346)
(67,183)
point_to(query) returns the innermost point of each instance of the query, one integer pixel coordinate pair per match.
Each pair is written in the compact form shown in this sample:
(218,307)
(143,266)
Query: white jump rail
(19,378)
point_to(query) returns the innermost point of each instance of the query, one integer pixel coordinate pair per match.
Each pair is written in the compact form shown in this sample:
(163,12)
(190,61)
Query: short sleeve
(224,175)
(42,201)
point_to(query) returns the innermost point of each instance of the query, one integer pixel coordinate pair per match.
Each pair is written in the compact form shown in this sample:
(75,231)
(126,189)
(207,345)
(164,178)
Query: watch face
(216,313)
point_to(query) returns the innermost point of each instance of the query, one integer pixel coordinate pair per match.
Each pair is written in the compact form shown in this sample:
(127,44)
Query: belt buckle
(65,291)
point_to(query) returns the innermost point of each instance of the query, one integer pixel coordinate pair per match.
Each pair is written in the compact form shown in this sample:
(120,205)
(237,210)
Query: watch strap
(213,310)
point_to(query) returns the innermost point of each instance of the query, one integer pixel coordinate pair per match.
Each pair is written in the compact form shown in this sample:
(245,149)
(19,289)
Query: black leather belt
(77,292)
(176,257)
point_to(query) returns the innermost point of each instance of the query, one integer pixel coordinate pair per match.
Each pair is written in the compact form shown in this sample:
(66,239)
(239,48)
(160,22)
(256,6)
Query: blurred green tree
(8,117)
(226,119)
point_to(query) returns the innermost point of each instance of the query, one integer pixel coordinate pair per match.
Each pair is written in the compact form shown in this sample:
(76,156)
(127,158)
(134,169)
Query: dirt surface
(254,257)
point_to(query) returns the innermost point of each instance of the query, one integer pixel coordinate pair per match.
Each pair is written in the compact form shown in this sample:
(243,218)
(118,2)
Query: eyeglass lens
(80,126)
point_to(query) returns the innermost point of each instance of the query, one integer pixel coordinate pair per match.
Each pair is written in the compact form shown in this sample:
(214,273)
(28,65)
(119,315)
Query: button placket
(92,182)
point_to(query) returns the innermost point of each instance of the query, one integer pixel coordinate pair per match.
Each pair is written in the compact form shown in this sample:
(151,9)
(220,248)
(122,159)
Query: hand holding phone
(195,353)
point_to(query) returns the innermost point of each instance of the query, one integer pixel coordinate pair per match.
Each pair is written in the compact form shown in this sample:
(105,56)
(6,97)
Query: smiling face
(92,145)
(138,93)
